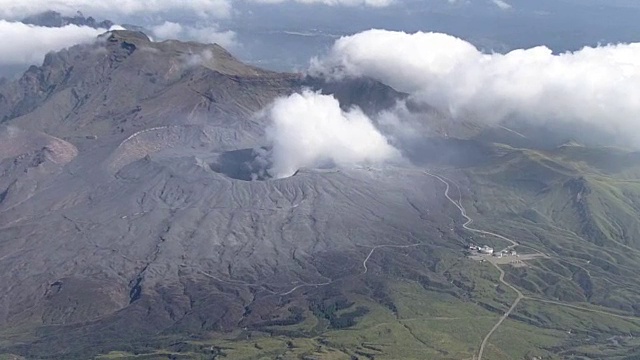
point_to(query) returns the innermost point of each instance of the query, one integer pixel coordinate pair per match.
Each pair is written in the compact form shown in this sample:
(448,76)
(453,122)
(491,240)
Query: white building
(486,250)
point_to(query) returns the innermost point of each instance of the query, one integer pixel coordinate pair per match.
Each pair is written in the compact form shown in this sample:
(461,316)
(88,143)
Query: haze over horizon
(285,35)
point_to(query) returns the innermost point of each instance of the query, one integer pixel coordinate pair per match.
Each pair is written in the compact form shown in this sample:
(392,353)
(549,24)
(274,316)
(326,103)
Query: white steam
(594,86)
(205,34)
(28,44)
(310,130)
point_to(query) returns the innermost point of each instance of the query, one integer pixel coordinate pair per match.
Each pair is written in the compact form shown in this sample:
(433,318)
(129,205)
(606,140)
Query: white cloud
(167,30)
(114,9)
(208,35)
(210,8)
(597,86)
(371,3)
(310,130)
(211,35)
(503,5)
(203,58)
(28,44)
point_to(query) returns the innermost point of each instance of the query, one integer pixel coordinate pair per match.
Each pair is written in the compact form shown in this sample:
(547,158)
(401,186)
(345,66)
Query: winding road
(468,221)
(466,226)
(463,212)
(506,314)
(520,296)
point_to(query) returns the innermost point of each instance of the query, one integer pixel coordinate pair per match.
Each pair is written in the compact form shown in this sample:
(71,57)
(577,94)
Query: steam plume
(310,130)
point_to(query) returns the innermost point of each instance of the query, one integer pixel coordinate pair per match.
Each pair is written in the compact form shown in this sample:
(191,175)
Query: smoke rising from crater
(593,86)
(310,130)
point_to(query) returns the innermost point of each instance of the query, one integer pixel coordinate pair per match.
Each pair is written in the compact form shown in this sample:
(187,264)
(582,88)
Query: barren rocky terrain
(132,223)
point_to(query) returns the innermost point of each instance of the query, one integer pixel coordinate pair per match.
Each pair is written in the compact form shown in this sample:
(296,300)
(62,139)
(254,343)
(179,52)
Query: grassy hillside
(567,204)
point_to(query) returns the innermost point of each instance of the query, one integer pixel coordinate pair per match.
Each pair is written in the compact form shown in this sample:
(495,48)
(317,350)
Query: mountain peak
(126,35)
(55,19)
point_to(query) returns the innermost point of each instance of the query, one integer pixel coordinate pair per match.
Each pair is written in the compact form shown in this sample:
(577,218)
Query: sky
(285,34)
(544,62)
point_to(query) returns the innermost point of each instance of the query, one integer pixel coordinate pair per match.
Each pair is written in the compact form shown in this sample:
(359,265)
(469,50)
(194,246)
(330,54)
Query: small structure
(487,250)
(514,253)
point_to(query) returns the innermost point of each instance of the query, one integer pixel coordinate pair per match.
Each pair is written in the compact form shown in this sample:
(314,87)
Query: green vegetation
(432,302)
(427,324)
(10,357)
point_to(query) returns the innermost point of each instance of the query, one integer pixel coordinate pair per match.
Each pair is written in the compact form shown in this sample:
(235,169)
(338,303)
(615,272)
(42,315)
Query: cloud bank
(28,44)
(593,86)
(310,130)
(15,10)
(205,8)
(371,3)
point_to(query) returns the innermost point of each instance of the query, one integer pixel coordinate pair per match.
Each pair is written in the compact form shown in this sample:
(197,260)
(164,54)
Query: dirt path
(364,263)
(559,303)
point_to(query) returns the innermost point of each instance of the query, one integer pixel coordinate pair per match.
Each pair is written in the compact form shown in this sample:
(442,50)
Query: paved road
(506,314)
(458,204)
(520,295)
(463,212)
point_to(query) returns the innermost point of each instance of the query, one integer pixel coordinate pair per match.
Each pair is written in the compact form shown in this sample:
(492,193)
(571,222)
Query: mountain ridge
(139,127)
(55,19)
(131,223)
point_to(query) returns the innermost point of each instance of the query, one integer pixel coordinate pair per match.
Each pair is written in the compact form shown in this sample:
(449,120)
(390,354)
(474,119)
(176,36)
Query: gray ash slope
(124,210)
